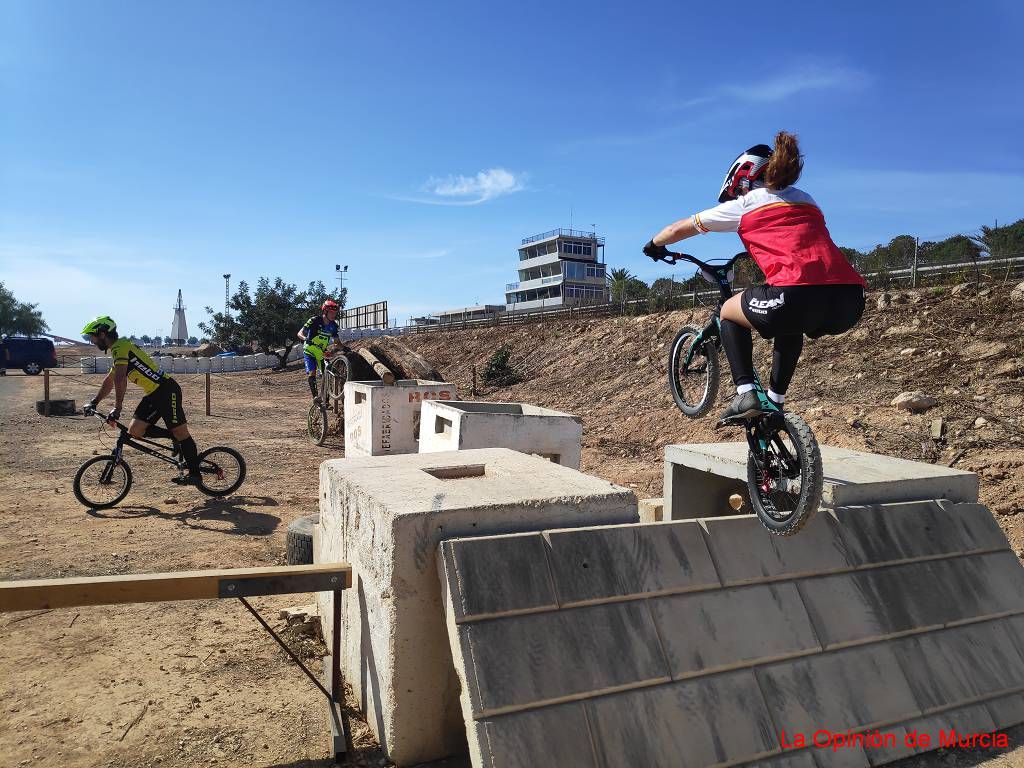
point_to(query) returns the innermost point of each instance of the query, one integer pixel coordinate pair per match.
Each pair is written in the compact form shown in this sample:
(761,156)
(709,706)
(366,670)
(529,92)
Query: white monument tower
(179,329)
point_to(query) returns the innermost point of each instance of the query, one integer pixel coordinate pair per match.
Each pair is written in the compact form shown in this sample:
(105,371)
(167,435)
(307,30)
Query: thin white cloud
(815,76)
(812,78)
(470,190)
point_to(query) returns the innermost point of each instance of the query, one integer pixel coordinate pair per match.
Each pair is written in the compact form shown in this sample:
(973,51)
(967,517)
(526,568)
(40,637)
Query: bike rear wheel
(221,471)
(102,482)
(694,386)
(339,371)
(316,424)
(785,484)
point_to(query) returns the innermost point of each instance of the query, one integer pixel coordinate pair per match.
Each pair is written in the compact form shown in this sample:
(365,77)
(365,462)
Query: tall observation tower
(179,329)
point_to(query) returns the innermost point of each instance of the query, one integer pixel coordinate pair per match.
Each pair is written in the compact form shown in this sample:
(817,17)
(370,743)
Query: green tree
(268,317)
(146,339)
(192,340)
(618,282)
(1000,242)
(19,317)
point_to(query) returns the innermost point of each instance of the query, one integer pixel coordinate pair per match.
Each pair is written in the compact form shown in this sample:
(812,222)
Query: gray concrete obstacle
(385,516)
(456,426)
(384,419)
(699,479)
(700,643)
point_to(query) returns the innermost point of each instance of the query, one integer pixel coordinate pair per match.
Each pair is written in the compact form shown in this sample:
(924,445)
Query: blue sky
(146,147)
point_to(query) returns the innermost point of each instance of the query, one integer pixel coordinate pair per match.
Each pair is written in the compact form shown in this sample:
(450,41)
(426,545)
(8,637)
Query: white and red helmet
(746,172)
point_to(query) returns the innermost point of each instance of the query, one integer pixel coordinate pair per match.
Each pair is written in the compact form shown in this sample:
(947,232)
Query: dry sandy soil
(199,683)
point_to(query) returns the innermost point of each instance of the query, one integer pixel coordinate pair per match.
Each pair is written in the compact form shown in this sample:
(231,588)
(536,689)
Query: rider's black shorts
(812,310)
(163,403)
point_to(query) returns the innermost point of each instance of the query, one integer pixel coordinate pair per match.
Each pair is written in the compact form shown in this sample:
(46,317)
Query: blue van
(31,355)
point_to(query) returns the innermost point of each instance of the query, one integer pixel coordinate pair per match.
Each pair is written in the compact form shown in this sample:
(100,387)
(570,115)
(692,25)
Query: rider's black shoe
(186,480)
(743,406)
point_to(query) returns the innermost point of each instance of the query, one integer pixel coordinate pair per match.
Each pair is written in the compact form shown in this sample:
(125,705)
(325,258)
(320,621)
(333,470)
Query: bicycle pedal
(732,421)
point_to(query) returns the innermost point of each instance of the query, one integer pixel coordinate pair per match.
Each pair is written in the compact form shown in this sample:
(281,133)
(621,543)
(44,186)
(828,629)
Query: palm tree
(618,282)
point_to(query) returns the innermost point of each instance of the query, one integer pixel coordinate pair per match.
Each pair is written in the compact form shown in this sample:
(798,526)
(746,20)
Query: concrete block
(888,532)
(692,724)
(103,364)
(216,364)
(203,365)
(454,426)
(385,515)
(522,662)
(852,689)
(178,365)
(961,664)
(382,420)
(596,564)
(555,736)
(723,629)
(697,476)
(876,603)
(480,590)
(744,552)
(191,364)
(651,510)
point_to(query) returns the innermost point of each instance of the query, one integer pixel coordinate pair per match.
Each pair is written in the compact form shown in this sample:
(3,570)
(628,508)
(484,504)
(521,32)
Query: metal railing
(563,233)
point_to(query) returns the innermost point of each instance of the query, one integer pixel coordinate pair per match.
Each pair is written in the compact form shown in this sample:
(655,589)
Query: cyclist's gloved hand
(114,415)
(89,408)
(656,252)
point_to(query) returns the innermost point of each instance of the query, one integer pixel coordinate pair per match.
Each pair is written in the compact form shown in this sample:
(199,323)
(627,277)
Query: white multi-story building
(559,268)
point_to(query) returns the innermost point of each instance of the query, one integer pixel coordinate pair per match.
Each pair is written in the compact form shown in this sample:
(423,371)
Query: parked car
(31,355)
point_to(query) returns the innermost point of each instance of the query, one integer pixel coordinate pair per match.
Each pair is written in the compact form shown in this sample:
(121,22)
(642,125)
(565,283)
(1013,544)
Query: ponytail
(786,163)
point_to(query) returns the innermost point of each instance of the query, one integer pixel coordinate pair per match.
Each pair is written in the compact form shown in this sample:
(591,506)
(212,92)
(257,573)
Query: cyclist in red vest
(811,289)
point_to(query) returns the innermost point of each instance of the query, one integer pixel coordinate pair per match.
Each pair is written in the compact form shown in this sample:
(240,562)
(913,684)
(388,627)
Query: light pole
(341,270)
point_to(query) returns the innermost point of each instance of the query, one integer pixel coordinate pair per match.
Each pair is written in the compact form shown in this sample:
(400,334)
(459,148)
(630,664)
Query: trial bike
(784,473)
(103,481)
(332,374)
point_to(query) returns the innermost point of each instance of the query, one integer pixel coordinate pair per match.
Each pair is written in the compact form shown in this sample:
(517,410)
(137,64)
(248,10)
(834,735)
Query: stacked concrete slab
(384,419)
(385,516)
(699,479)
(710,642)
(454,426)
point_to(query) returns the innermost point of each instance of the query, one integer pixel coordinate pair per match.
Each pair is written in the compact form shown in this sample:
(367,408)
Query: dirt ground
(200,683)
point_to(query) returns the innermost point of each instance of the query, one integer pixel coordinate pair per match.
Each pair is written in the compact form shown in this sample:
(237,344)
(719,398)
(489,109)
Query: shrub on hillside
(497,372)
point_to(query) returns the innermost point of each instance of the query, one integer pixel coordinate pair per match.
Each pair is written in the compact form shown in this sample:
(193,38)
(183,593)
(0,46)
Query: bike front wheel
(695,385)
(221,471)
(316,424)
(785,480)
(102,482)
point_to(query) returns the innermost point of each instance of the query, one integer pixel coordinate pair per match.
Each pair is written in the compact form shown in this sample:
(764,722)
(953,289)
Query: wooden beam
(39,594)
(379,368)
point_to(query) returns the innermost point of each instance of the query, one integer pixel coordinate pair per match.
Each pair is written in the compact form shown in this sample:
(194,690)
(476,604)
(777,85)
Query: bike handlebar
(670,257)
(104,419)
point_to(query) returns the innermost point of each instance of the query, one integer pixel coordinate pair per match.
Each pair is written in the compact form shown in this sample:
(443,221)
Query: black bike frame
(162,452)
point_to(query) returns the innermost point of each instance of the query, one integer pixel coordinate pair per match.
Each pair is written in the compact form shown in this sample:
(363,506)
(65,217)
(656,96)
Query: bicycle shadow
(235,510)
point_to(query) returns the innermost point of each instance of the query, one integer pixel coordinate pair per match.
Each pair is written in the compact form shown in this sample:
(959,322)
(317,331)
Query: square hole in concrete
(456,473)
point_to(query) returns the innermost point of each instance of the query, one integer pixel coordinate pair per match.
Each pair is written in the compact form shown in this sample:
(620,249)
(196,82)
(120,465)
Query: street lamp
(341,270)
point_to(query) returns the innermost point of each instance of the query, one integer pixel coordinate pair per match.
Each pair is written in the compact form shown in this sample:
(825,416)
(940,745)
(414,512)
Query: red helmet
(329,304)
(745,172)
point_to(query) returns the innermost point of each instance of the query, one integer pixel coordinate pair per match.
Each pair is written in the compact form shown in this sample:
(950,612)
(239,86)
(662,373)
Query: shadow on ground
(236,510)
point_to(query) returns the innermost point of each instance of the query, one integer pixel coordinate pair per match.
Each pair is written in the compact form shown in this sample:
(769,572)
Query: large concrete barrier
(385,516)
(699,479)
(701,643)
(384,419)
(454,426)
